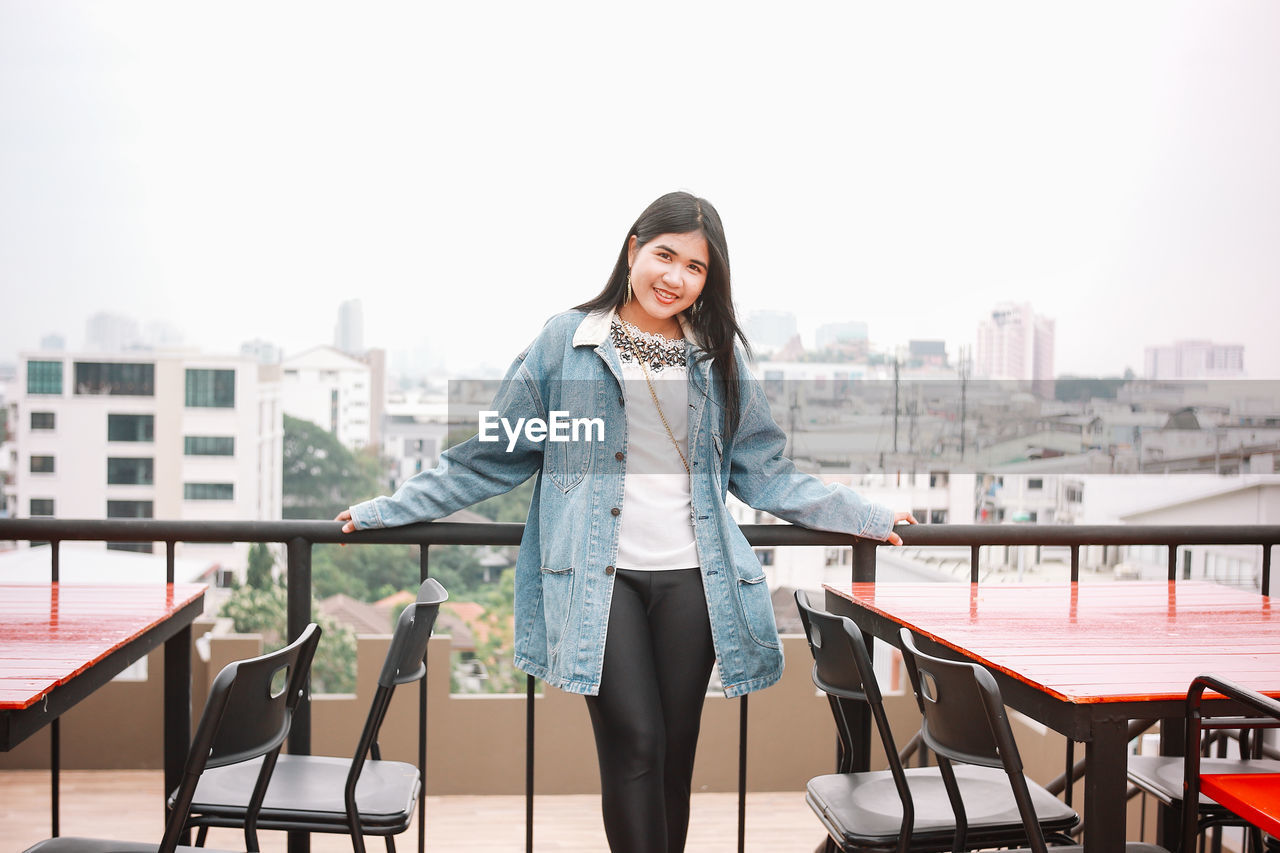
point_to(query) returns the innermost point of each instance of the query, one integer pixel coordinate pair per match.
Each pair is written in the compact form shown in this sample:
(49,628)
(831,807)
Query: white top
(656,531)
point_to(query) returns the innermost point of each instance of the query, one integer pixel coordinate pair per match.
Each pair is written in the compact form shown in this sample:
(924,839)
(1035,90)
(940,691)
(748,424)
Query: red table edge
(189,592)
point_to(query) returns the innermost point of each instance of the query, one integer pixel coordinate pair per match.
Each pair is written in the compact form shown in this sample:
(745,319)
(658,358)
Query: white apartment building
(414,435)
(332,390)
(182,436)
(1195,360)
(1015,343)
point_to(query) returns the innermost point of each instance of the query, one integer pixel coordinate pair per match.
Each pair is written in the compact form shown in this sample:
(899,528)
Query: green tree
(321,477)
(258,574)
(495,650)
(264,611)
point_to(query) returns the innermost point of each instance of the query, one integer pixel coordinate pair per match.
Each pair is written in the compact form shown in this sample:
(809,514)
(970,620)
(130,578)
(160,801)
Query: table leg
(1104,787)
(177,712)
(1173,741)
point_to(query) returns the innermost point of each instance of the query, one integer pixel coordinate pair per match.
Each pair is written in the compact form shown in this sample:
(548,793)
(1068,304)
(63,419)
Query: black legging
(657,661)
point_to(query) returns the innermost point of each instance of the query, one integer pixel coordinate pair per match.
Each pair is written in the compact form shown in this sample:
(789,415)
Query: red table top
(1094,642)
(49,633)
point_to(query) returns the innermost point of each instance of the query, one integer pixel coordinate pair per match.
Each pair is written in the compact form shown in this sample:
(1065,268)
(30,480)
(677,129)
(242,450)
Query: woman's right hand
(350,526)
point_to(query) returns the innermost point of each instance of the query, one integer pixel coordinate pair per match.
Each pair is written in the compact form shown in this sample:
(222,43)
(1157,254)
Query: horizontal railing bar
(455,533)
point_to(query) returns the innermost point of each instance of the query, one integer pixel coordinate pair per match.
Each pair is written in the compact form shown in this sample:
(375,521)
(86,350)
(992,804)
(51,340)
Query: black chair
(246,719)
(1161,776)
(361,795)
(865,810)
(965,723)
(1249,790)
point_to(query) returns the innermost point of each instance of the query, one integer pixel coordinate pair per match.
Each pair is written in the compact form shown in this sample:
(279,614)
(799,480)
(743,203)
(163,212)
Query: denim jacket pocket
(557,600)
(757,608)
(566,462)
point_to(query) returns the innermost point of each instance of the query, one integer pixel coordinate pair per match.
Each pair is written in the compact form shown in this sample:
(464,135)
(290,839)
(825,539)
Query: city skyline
(906,168)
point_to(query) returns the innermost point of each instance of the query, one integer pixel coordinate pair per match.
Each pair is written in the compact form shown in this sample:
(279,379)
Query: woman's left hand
(899,517)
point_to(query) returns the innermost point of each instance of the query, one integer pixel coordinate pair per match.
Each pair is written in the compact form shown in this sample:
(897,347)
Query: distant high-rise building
(53,342)
(108,333)
(1015,343)
(263,352)
(932,353)
(1195,360)
(831,335)
(769,330)
(348,336)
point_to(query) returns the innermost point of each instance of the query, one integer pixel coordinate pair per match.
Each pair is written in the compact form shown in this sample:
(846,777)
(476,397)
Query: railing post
(424,572)
(298,552)
(528,764)
(864,561)
(742,774)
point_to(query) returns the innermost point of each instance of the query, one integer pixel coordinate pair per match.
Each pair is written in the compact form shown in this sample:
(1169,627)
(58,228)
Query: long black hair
(712,315)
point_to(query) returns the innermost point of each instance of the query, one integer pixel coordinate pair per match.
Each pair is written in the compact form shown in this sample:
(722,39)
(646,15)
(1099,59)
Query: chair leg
(202,834)
(391,843)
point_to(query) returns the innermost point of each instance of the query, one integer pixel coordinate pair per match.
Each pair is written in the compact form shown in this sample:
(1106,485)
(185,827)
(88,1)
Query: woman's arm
(468,472)
(765,479)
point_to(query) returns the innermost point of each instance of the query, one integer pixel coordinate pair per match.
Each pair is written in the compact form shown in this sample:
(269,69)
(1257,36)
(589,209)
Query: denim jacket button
(618,456)
(608,570)
(615,511)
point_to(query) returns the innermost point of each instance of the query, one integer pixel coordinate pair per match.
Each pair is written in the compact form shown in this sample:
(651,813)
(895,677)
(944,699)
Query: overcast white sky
(468,169)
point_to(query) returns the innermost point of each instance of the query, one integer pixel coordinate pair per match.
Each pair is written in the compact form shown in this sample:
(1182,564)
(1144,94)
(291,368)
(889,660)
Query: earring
(628,299)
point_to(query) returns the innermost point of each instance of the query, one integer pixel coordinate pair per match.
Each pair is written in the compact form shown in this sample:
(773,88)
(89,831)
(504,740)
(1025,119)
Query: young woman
(633,580)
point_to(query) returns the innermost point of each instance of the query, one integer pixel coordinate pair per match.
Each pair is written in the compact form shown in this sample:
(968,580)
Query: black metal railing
(298,537)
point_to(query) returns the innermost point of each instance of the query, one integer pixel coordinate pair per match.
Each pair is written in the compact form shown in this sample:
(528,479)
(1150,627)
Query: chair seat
(72,844)
(864,808)
(1161,775)
(308,789)
(1253,796)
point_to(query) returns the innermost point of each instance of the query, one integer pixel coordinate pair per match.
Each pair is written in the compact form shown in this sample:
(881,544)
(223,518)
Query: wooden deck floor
(125,804)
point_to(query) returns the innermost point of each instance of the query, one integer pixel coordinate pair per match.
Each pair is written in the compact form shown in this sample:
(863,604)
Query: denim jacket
(565,572)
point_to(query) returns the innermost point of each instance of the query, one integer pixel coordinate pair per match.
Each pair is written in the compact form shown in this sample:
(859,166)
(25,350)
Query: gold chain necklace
(652,393)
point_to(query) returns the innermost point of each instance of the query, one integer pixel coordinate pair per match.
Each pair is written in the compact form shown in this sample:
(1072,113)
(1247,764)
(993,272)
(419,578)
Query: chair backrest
(248,714)
(842,669)
(404,661)
(965,721)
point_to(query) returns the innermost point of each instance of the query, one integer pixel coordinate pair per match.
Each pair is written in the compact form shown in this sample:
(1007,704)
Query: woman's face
(667,275)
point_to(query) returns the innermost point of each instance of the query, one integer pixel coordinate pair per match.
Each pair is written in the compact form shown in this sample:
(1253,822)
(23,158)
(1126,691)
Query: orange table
(1085,659)
(60,642)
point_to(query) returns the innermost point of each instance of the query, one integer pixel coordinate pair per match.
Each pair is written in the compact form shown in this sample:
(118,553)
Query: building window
(765,555)
(1035,483)
(209,445)
(131,427)
(1075,494)
(116,379)
(938,479)
(43,420)
(41,508)
(44,377)
(130,472)
(41,464)
(211,389)
(208,491)
(938,516)
(130,509)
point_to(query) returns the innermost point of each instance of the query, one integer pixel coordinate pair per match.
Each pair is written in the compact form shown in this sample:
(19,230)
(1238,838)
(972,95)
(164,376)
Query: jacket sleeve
(765,479)
(468,472)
